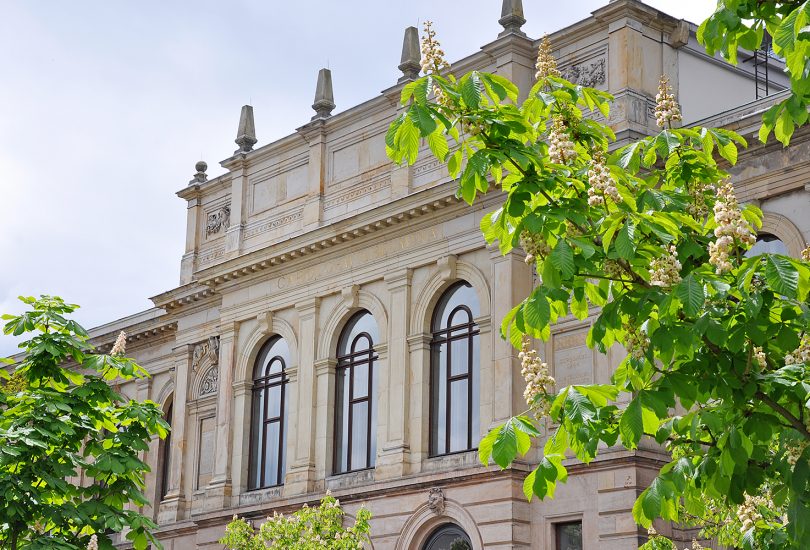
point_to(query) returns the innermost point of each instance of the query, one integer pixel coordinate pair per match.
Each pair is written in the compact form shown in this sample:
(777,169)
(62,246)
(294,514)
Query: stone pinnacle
(246,134)
(324,98)
(512,17)
(411,61)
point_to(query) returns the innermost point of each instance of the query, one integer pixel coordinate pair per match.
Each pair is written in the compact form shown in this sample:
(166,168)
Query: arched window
(454,377)
(165,453)
(269,420)
(356,403)
(448,537)
(767,243)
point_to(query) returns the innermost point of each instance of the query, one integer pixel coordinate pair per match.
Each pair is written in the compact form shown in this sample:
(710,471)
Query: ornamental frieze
(218,220)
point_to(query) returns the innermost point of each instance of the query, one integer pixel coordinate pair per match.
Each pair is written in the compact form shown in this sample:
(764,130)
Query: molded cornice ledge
(632,9)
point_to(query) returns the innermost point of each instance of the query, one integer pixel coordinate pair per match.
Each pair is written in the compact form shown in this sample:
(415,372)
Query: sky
(106,106)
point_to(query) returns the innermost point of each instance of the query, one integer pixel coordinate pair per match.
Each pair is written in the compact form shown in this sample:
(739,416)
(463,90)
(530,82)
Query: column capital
(398,279)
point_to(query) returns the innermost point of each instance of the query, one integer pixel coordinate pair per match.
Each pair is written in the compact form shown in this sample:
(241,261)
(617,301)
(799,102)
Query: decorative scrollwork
(210,382)
(205,350)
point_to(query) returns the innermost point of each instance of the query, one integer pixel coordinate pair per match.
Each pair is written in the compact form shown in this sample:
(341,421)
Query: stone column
(172,506)
(395,447)
(150,456)
(239,186)
(324,416)
(419,394)
(301,471)
(218,491)
(241,435)
(189,259)
(511,282)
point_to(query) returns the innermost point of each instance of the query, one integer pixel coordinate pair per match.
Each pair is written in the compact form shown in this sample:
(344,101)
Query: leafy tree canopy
(70,444)
(309,528)
(652,235)
(743,24)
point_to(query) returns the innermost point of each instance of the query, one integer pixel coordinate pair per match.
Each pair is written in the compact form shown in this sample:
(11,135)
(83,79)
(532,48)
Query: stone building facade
(315,267)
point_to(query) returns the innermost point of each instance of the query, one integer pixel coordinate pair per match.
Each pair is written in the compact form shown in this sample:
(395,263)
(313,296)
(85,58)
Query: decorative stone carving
(205,350)
(350,296)
(209,382)
(587,74)
(218,220)
(436,501)
(447,267)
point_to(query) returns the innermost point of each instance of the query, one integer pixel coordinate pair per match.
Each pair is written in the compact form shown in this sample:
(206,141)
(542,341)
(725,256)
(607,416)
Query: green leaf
(537,311)
(625,243)
(471,89)
(438,144)
(631,424)
(599,394)
(691,293)
(563,259)
(781,275)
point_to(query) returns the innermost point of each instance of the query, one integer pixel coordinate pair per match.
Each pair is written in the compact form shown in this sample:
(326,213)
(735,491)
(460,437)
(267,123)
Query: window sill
(350,479)
(458,460)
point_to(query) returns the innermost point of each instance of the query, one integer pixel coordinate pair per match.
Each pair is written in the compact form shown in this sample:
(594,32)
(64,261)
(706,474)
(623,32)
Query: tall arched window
(165,452)
(356,403)
(454,378)
(269,420)
(767,243)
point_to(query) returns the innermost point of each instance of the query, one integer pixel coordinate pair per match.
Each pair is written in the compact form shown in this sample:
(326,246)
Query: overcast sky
(105,107)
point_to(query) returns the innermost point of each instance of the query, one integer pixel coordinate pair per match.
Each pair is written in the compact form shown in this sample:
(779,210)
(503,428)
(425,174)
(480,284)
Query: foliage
(63,421)
(307,529)
(713,372)
(742,24)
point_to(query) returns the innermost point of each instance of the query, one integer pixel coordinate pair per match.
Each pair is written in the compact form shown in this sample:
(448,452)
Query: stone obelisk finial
(512,17)
(246,134)
(411,61)
(324,98)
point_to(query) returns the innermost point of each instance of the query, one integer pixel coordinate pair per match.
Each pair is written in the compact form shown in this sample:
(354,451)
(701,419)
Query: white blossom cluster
(800,355)
(93,544)
(120,345)
(730,228)
(759,357)
(534,246)
(433,61)
(546,64)
(601,182)
(806,254)
(637,341)
(666,108)
(613,269)
(794,449)
(695,545)
(697,207)
(665,270)
(560,146)
(747,512)
(538,379)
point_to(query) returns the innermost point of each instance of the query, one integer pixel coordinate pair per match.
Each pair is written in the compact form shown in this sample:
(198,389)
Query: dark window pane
(448,537)
(438,385)
(461,294)
(569,536)
(458,415)
(359,435)
(476,406)
(271,465)
(273,402)
(459,357)
(360,381)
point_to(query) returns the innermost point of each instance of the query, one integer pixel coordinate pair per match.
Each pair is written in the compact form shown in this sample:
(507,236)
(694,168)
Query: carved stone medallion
(587,74)
(210,381)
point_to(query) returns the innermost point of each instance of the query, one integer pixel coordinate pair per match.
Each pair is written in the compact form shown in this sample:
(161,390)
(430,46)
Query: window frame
(347,365)
(444,336)
(257,458)
(166,456)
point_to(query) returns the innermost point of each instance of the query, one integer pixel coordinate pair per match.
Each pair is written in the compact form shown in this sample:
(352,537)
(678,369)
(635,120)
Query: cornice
(135,335)
(326,237)
(181,296)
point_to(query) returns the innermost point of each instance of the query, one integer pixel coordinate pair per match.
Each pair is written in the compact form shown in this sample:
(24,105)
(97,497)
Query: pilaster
(234,235)
(324,415)
(300,476)
(172,507)
(315,135)
(218,491)
(513,281)
(393,461)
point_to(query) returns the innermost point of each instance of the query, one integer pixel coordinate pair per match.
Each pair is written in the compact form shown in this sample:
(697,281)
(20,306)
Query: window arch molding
(435,287)
(256,339)
(342,312)
(421,525)
(781,227)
